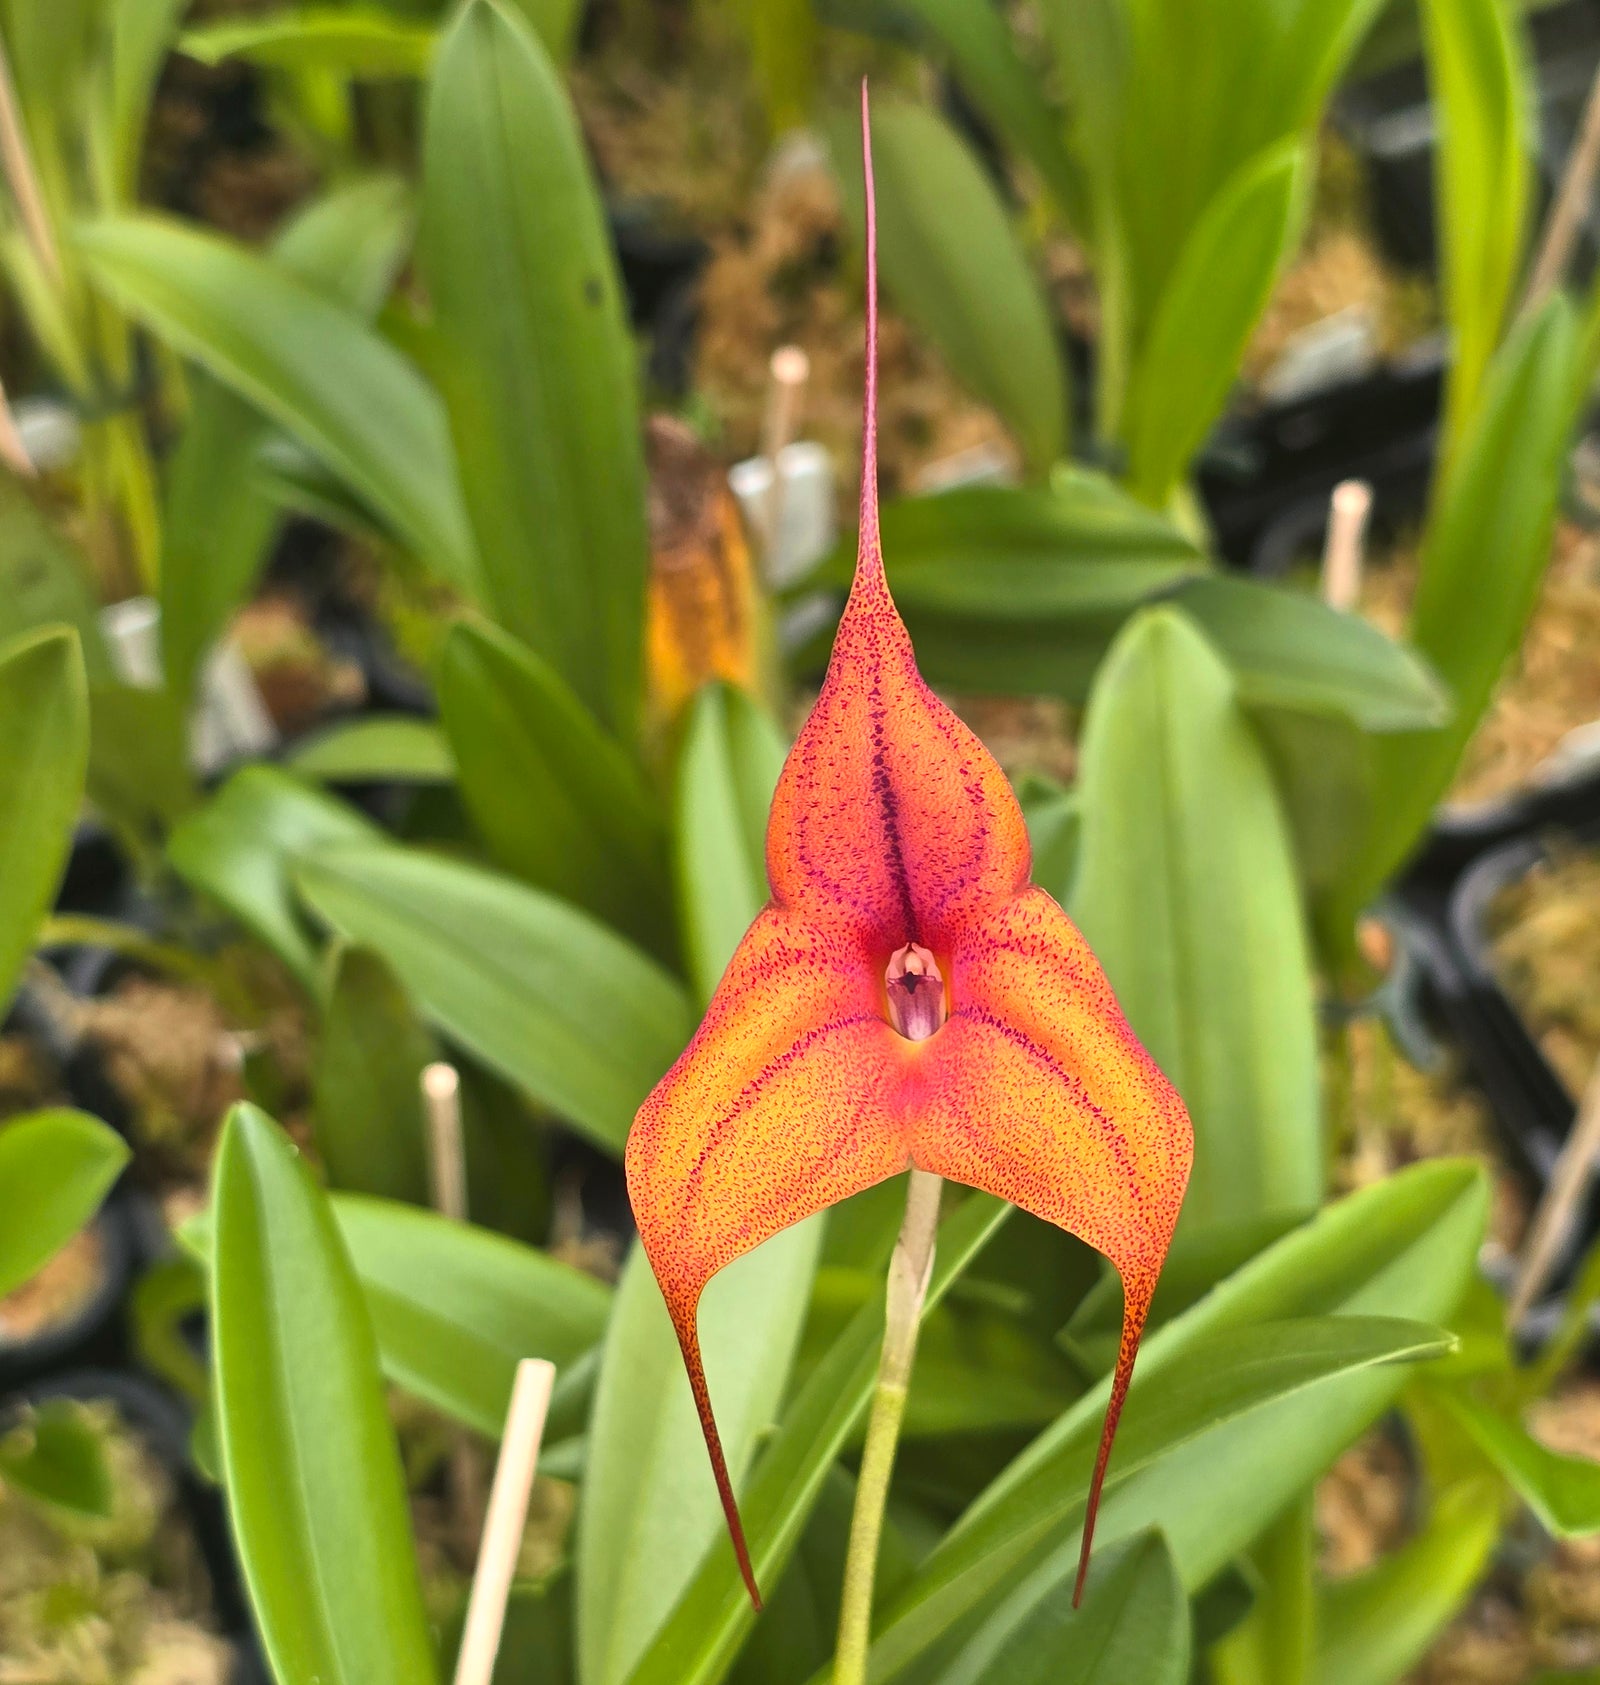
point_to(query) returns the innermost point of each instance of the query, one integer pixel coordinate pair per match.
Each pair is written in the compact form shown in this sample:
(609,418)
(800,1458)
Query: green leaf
(952,263)
(728,767)
(1373,1627)
(57,1457)
(1218,288)
(650,1510)
(558,801)
(1407,1246)
(1273,1644)
(376,749)
(576,1017)
(55,1169)
(44,750)
(139,757)
(1289,650)
(1484,554)
(1019,556)
(1480,87)
(241,848)
(1186,889)
(348,42)
(1564,1492)
(44,577)
(782,39)
(141,34)
(312,1472)
(219,517)
(348,396)
(979,45)
(1055,826)
(1167,110)
(697,1644)
(540,377)
(456,1307)
(368,1127)
(1134,1625)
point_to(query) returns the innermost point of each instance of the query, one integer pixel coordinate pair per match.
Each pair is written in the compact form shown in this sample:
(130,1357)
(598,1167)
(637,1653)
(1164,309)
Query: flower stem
(909,1270)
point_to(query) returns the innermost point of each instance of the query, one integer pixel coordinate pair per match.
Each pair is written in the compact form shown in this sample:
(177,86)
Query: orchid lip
(915,989)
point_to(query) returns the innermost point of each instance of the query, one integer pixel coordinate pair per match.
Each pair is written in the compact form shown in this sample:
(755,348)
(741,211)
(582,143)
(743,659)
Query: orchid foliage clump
(878,1188)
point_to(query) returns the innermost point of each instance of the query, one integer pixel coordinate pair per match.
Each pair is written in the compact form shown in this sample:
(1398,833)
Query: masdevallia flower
(907,997)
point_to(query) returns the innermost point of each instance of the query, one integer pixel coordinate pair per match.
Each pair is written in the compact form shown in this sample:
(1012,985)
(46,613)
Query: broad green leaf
(559,801)
(1186,889)
(1480,87)
(55,1169)
(1134,1625)
(978,43)
(576,1017)
(376,749)
(368,1123)
(1273,1644)
(1484,554)
(1404,1247)
(1055,825)
(45,579)
(318,371)
(951,262)
(455,1307)
(241,847)
(728,767)
(980,1369)
(650,1508)
(312,1472)
(141,34)
(56,1456)
(1218,1380)
(1025,555)
(700,1640)
(139,773)
(539,377)
(219,517)
(1373,1627)
(1218,288)
(782,39)
(1289,650)
(1563,1491)
(44,750)
(1168,109)
(346,41)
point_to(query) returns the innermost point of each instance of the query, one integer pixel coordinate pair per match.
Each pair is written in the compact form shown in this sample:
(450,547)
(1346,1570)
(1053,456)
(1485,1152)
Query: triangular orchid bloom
(907,998)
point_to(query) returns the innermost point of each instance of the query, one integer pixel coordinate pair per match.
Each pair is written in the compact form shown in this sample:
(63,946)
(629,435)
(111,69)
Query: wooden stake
(790,369)
(1342,553)
(447,1187)
(447,1160)
(502,1527)
(1569,1181)
(22,178)
(1561,227)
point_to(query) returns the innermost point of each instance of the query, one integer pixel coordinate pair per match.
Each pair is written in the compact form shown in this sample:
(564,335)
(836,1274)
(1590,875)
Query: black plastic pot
(1267,471)
(97,1333)
(163,1424)
(1440,909)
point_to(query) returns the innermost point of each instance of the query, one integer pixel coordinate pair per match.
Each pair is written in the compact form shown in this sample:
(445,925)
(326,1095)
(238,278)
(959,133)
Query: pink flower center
(916,992)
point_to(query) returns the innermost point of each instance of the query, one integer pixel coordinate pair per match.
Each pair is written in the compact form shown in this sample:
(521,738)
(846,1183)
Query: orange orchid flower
(906,998)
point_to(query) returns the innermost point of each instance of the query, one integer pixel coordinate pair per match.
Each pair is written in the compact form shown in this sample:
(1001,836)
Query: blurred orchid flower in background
(906,999)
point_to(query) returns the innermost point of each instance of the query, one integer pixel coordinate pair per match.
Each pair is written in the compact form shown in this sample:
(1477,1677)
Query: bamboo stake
(447,1187)
(790,369)
(1343,553)
(502,1526)
(1569,1181)
(12,450)
(447,1160)
(22,178)
(1561,226)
